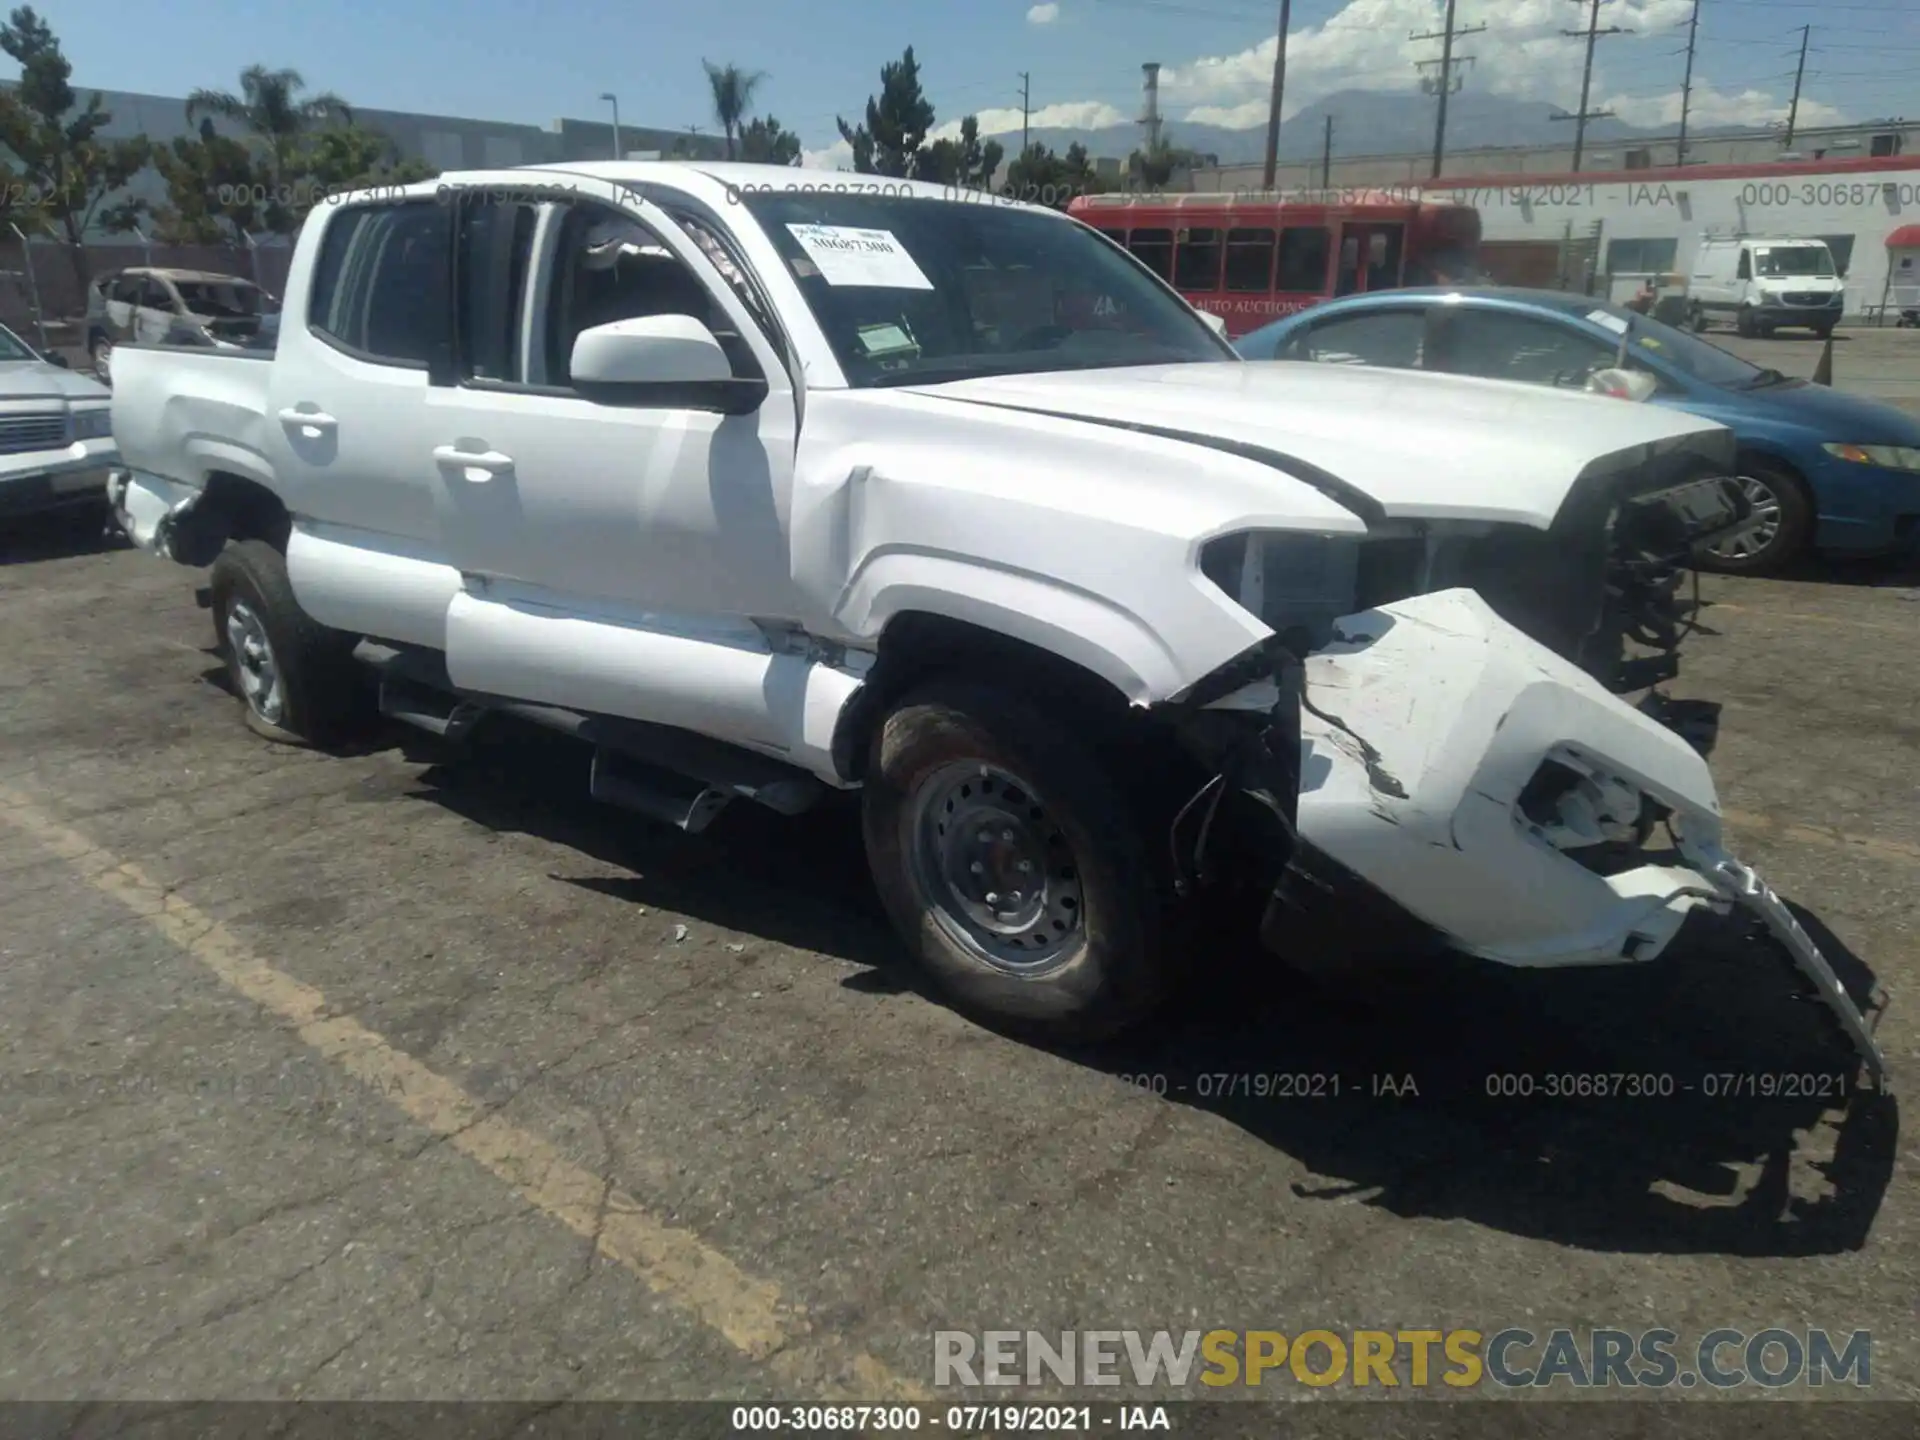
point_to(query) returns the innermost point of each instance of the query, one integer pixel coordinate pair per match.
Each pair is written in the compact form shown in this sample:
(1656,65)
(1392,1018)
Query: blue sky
(536,60)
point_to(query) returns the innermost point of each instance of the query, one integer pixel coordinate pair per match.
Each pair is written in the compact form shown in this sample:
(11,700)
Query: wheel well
(248,510)
(914,647)
(1780,466)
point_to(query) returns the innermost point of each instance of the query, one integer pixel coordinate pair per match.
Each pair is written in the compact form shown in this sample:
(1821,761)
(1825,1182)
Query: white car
(769,484)
(56,433)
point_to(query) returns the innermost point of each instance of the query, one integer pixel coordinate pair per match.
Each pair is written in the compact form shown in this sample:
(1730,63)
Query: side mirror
(1634,385)
(1215,323)
(652,350)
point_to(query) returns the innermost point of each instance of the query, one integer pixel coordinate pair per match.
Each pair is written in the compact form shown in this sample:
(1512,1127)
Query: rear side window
(1391,339)
(381,282)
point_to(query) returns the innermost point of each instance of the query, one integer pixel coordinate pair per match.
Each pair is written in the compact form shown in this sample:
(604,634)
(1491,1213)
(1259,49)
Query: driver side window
(607,267)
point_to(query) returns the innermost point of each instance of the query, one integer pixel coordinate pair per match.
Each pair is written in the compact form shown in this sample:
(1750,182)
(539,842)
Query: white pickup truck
(769,484)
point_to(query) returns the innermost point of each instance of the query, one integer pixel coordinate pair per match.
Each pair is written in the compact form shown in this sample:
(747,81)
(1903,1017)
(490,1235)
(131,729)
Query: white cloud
(1072,115)
(1043,14)
(837,156)
(1521,55)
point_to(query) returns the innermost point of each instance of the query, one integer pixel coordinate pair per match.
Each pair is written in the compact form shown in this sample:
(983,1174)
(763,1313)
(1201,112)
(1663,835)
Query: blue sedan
(1826,471)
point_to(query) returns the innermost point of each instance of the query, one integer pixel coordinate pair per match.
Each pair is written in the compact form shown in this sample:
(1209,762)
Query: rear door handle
(477,466)
(312,423)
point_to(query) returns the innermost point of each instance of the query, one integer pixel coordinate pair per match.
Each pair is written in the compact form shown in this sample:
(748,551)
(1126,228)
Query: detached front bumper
(1460,782)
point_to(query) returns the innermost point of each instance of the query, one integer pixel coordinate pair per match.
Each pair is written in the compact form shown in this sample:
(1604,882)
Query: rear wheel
(100,351)
(1011,865)
(1786,520)
(294,676)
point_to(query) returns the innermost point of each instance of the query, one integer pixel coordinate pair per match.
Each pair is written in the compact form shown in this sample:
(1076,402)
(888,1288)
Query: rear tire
(294,676)
(1012,866)
(1773,487)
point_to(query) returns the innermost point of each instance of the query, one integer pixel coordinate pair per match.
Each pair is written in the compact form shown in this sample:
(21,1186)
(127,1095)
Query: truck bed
(182,414)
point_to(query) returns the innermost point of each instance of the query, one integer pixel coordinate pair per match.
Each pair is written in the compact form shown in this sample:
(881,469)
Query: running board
(676,775)
(649,790)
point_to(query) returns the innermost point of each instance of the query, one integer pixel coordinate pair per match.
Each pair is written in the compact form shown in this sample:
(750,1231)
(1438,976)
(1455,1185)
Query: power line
(1592,33)
(1026,109)
(1446,85)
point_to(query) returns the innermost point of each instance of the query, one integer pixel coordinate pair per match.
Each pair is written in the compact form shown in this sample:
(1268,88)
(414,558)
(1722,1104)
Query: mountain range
(1367,122)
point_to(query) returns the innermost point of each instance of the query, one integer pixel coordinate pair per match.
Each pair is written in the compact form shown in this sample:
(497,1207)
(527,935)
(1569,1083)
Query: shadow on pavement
(56,535)
(1432,1104)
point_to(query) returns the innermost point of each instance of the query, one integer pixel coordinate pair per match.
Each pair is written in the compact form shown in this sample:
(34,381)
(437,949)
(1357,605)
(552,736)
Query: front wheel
(1786,521)
(101,353)
(294,675)
(1697,319)
(1747,325)
(1012,867)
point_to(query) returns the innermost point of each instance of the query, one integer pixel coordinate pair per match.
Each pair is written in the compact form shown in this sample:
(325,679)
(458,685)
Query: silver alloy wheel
(1766,509)
(103,358)
(994,869)
(258,671)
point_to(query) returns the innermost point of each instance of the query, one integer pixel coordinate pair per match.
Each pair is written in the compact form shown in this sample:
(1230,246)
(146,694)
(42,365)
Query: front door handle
(310,423)
(477,466)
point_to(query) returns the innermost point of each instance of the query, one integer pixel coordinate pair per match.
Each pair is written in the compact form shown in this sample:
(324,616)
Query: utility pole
(1686,85)
(1326,156)
(1793,111)
(1026,108)
(1446,85)
(1279,89)
(1592,33)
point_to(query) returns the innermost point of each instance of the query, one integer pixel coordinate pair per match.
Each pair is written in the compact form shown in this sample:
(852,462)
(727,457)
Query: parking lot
(412,1073)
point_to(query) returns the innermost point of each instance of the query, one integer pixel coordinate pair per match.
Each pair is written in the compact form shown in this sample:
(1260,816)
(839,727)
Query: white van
(1762,282)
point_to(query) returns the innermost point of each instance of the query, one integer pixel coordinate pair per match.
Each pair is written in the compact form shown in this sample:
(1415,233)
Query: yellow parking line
(674,1263)
(1892,851)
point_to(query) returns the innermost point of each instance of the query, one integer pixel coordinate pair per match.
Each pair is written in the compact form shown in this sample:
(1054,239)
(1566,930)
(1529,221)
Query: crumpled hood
(38,380)
(1419,446)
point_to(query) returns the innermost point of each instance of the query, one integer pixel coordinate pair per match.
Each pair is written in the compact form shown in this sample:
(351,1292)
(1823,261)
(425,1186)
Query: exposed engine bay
(1607,577)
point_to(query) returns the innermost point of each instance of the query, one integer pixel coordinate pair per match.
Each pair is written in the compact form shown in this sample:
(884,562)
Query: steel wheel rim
(254,663)
(1766,507)
(995,870)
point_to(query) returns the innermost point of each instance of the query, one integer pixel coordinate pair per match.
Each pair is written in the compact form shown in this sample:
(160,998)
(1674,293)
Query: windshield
(230,299)
(1794,260)
(1686,353)
(910,289)
(12,347)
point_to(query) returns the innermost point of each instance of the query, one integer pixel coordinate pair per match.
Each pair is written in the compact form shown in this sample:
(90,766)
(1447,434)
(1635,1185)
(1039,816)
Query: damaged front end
(1443,781)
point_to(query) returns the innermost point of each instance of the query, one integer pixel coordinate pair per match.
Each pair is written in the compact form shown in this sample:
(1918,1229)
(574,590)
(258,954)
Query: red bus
(1251,260)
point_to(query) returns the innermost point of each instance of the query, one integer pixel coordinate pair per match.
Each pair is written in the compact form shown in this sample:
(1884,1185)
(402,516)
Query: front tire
(1011,865)
(1697,319)
(294,676)
(1746,325)
(1779,496)
(101,354)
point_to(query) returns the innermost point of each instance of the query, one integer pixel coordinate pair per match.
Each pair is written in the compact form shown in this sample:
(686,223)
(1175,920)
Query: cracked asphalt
(412,1074)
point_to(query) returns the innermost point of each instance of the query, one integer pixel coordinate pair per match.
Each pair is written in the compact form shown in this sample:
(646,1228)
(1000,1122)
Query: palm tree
(270,106)
(732,96)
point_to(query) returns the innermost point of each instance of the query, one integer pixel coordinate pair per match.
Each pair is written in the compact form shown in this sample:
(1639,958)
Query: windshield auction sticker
(847,256)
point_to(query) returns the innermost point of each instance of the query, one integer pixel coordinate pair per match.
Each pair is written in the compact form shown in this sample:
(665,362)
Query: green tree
(764,142)
(1153,166)
(346,157)
(218,193)
(63,170)
(964,161)
(1041,177)
(889,141)
(732,96)
(273,111)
